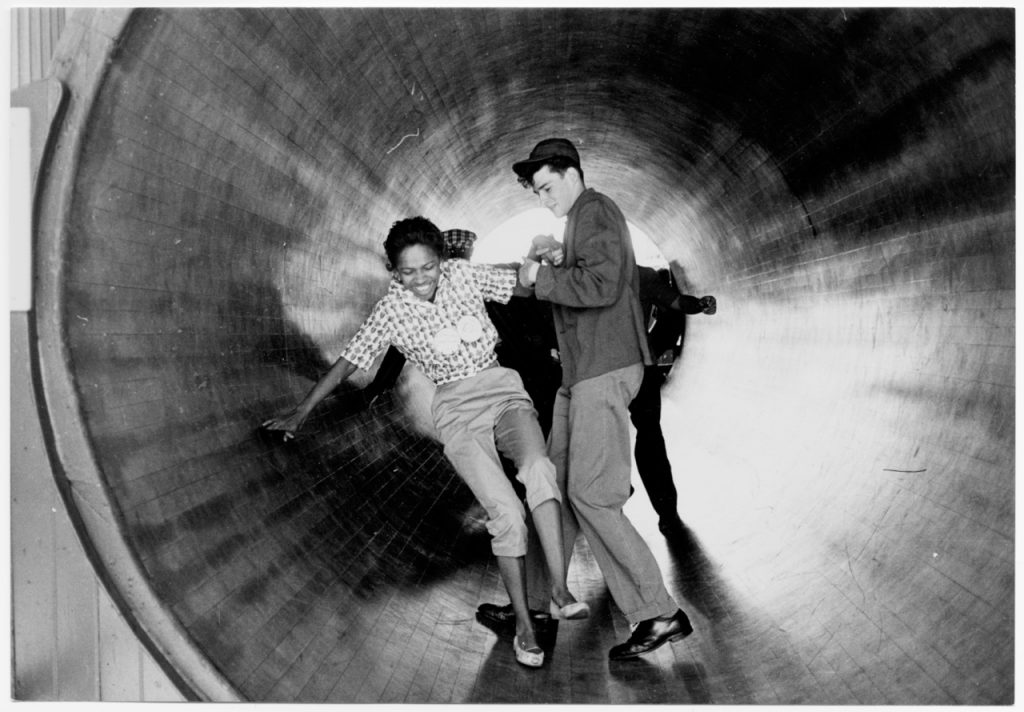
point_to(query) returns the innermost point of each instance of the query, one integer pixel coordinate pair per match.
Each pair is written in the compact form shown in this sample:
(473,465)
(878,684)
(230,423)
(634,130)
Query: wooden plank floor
(775,646)
(797,595)
(779,617)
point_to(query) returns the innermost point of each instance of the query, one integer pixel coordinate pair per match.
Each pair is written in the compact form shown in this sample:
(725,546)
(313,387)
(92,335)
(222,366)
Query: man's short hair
(557,165)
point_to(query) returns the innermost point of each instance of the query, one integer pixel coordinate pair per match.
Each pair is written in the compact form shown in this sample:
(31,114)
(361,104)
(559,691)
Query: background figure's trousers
(651,455)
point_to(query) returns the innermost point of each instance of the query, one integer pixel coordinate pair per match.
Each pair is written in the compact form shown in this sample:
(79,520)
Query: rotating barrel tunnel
(209,227)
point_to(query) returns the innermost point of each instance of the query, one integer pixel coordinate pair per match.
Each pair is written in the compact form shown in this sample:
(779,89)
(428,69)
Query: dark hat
(544,151)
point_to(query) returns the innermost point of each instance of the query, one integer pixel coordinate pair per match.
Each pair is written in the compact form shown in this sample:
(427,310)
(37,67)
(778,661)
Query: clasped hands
(544,249)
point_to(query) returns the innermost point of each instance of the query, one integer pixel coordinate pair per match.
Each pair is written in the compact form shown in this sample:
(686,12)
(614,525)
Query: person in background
(665,311)
(434,312)
(594,297)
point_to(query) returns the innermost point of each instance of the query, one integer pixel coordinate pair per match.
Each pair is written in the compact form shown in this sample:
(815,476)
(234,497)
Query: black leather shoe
(651,634)
(502,619)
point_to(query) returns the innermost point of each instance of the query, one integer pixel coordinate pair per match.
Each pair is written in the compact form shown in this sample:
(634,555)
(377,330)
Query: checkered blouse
(450,338)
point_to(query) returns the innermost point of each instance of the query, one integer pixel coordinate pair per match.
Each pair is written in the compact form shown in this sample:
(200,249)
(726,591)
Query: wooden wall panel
(34,35)
(70,643)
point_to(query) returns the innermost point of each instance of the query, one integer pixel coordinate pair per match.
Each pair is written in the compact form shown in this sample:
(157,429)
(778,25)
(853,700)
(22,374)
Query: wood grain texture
(841,430)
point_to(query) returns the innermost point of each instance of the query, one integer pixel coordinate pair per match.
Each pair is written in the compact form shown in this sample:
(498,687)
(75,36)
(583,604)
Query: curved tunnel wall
(210,232)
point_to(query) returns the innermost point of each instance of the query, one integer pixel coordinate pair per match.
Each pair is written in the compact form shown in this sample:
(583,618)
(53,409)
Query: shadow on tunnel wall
(350,508)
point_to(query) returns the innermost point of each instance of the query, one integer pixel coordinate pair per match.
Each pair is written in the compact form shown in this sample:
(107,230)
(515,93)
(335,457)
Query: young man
(603,347)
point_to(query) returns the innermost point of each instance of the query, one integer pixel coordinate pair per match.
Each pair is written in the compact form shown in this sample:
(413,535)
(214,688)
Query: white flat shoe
(572,611)
(530,657)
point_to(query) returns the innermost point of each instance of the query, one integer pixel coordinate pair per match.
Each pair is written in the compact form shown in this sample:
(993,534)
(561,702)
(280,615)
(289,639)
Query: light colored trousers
(589,444)
(477,416)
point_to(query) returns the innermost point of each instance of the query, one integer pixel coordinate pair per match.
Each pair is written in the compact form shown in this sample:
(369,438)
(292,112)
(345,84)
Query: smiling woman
(435,314)
(208,238)
(418,270)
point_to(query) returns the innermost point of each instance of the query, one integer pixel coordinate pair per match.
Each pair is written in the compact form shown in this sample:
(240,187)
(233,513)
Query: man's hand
(528,272)
(554,256)
(549,249)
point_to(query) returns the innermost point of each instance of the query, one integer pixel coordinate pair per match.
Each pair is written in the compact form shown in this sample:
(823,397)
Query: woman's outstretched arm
(292,420)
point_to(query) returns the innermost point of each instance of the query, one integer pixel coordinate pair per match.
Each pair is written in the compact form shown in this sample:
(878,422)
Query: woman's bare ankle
(562,597)
(527,637)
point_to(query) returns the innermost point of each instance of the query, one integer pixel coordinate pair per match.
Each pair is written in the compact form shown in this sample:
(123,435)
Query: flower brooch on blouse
(467,329)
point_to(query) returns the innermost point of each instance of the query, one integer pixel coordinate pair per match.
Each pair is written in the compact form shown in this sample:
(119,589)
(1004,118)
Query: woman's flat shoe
(572,612)
(530,657)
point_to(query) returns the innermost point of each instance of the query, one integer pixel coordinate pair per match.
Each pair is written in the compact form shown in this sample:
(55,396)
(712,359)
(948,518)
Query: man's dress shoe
(502,619)
(651,634)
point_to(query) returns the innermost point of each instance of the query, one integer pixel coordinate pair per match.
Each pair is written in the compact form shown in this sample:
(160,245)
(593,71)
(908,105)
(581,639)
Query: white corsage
(446,341)
(470,329)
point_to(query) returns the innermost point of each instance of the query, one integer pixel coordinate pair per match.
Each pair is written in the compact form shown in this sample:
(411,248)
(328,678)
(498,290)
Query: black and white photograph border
(198,200)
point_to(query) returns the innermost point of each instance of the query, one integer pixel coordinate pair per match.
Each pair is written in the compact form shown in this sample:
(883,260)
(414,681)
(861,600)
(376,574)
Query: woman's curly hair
(409,232)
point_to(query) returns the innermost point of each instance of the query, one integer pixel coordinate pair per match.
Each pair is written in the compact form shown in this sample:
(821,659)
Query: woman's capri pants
(476,417)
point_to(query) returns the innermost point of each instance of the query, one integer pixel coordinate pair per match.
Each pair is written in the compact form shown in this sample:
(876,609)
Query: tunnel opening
(209,237)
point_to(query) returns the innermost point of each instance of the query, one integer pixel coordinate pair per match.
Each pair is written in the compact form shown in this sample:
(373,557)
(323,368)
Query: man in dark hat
(602,343)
